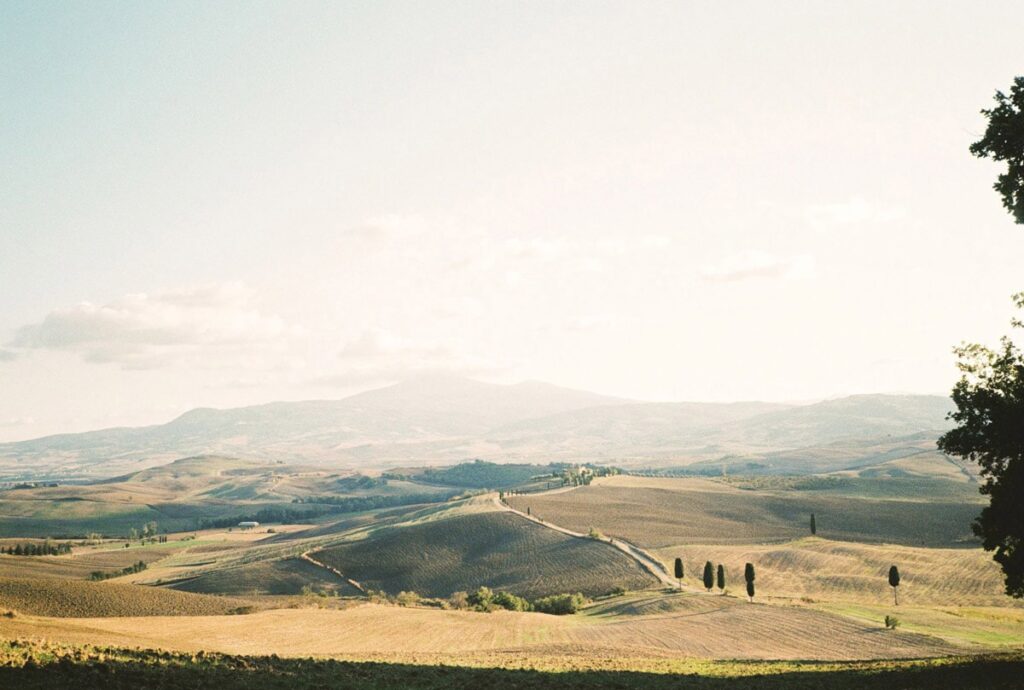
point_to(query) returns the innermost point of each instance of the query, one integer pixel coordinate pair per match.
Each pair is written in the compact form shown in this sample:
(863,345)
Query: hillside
(491,549)
(440,420)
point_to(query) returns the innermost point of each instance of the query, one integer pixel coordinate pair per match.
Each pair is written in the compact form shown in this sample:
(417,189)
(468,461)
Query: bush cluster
(486,600)
(97,575)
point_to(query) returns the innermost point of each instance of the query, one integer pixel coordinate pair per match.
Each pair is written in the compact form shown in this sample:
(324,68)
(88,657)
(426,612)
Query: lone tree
(709,576)
(894,582)
(679,571)
(814,528)
(989,416)
(721,577)
(1004,141)
(749,575)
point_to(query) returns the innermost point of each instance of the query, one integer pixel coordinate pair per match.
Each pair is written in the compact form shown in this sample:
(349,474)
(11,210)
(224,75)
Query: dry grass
(846,572)
(75,599)
(696,626)
(656,513)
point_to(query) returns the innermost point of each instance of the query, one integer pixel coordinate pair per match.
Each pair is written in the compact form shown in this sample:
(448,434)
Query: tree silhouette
(1004,141)
(749,575)
(721,577)
(894,582)
(709,576)
(750,590)
(814,528)
(989,398)
(679,571)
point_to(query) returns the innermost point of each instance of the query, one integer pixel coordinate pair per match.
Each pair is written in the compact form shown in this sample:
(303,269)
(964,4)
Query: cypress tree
(748,572)
(709,576)
(894,582)
(750,590)
(679,571)
(721,577)
(814,528)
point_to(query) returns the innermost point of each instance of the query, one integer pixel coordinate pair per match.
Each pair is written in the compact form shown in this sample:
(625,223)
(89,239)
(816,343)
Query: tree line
(33,549)
(715,576)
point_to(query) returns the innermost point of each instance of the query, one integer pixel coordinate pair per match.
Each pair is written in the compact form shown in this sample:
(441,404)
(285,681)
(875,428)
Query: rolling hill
(441,420)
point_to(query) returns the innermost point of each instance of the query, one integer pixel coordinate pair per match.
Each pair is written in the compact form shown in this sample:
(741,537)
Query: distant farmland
(498,550)
(657,513)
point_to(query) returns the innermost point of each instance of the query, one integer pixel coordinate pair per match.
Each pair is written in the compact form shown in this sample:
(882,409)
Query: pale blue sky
(227,203)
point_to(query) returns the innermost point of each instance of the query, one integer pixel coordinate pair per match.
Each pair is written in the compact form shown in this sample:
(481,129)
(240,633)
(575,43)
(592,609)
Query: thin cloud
(209,322)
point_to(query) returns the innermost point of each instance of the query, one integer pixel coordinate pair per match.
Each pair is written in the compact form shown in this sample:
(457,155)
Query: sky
(222,204)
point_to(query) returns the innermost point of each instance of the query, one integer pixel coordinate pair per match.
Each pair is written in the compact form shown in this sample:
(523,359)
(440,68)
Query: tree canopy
(989,416)
(1004,141)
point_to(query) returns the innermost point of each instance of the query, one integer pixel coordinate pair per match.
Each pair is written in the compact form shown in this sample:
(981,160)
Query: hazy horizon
(218,205)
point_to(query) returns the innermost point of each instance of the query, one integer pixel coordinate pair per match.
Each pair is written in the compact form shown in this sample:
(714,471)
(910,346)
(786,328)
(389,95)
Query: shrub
(459,600)
(511,602)
(595,533)
(407,599)
(482,599)
(618,592)
(892,622)
(560,604)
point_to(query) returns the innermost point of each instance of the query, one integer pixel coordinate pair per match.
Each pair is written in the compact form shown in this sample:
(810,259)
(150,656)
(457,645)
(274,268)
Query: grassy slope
(662,512)
(275,577)
(820,569)
(499,550)
(74,599)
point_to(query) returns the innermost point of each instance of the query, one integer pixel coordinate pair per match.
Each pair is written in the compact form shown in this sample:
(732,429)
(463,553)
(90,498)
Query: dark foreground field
(33,665)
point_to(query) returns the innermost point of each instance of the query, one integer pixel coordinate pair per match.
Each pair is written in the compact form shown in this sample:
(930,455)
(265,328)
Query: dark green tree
(989,416)
(750,590)
(679,571)
(814,527)
(709,576)
(1004,141)
(748,572)
(721,577)
(894,582)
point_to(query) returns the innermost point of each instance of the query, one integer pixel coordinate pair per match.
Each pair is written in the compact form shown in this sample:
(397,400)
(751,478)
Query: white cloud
(205,323)
(751,265)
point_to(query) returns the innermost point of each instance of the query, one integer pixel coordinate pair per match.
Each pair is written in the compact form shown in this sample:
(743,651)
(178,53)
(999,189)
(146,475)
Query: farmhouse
(248,524)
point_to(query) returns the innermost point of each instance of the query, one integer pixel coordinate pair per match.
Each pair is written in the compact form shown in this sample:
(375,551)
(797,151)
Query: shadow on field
(29,666)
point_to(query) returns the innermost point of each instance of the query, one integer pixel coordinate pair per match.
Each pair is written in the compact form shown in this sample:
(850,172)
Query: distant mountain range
(440,420)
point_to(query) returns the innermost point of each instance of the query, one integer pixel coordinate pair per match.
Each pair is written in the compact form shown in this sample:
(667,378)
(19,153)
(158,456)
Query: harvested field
(656,513)
(76,599)
(688,625)
(496,549)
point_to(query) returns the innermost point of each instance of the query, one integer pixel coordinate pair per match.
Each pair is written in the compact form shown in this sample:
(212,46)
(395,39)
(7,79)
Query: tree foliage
(989,416)
(894,582)
(814,526)
(1004,141)
(748,572)
(679,569)
(721,577)
(709,575)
